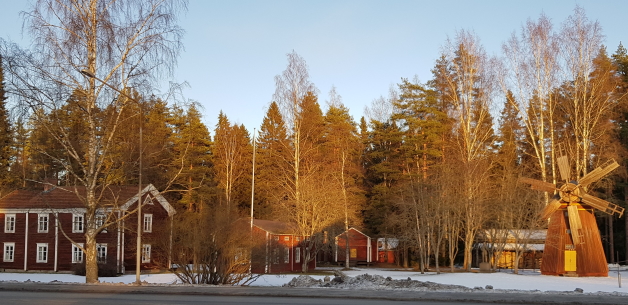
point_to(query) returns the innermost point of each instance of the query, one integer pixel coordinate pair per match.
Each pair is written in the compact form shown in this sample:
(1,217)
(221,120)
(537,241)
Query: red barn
(36,223)
(362,248)
(278,249)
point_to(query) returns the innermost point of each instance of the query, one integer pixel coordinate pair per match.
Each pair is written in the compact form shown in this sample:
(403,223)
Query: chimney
(50,183)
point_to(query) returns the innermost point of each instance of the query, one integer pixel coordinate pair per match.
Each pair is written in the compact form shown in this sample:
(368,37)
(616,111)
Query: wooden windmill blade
(551,207)
(598,173)
(575,225)
(564,168)
(538,184)
(602,205)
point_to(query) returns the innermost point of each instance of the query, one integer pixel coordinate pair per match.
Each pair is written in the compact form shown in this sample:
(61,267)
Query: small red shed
(362,248)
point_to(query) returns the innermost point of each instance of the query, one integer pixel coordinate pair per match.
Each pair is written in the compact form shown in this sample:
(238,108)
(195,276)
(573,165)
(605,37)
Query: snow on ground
(527,280)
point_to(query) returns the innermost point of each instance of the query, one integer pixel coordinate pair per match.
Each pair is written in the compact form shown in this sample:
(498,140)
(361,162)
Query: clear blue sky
(234,49)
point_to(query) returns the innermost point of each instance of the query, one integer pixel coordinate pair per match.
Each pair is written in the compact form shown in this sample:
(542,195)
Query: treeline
(433,164)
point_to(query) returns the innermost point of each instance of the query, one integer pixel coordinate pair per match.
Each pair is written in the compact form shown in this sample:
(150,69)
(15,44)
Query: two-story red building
(278,249)
(44,229)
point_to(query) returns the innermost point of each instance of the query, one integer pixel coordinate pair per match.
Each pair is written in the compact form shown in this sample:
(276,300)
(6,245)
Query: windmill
(573,245)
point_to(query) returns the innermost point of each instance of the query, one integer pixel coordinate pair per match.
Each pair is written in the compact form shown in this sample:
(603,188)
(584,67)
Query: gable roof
(72,197)
(274,227)
(354,229)
(150,189)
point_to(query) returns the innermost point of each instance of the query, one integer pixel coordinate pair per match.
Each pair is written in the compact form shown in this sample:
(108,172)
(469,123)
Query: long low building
(44,229)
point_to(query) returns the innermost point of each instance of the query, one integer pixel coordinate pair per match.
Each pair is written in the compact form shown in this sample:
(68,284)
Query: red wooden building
(36,223)
(278,249)
(362,248)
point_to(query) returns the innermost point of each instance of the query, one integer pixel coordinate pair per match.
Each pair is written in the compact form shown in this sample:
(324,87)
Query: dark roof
(275,227)
(63,197)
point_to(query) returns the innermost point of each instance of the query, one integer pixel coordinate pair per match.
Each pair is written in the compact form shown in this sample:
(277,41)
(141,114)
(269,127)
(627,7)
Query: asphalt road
(58,298)
(55,293)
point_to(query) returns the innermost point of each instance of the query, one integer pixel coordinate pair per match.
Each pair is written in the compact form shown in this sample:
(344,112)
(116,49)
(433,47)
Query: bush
(108,269)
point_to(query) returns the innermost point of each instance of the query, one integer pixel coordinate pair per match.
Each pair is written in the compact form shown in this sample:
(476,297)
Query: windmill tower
(573,244)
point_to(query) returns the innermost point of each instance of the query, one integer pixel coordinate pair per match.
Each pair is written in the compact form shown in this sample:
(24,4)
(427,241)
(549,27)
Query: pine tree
(342,149)
(6,135)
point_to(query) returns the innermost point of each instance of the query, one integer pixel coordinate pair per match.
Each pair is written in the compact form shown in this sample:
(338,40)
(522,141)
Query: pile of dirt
(367,281)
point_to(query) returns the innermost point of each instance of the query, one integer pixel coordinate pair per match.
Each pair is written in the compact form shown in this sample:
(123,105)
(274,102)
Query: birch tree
(469,84)
(592,84)
(533,62)
(127,43)
(308,200)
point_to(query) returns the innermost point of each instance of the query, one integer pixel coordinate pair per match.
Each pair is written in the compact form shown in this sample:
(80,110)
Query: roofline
(353,229)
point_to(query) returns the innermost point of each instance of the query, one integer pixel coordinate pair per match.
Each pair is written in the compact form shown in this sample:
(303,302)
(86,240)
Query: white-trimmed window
(77,254)
(297,255)
(9,252)
(77,223)
(42,223)
(145,253)
(286,256)
(42,253)
(275,256)
(286,238)
(100,221)
(101,253)
(148,223)
(9,223)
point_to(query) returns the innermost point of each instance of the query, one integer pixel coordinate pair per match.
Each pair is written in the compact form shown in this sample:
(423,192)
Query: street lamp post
(138,254)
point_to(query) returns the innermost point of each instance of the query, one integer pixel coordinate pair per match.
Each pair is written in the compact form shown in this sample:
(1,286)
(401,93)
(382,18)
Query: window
(9,223)
(276,238)
(101,253)
(275,256)
(77,254)
(148,223)
(9,252)
(42,226)
(42,253)
(286,256)
(100,221)
(77,223)
(286,238)
(297,255)
(145,253)
(298,238)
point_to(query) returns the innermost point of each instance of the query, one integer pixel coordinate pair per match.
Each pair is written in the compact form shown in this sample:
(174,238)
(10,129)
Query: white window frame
(9,252)
(286,256)
(146,249)
(42,226)
(77,254)
(9,223)
(42,253)
(100,221)
(100,250)
(297,255)
(78,226)
(148,223)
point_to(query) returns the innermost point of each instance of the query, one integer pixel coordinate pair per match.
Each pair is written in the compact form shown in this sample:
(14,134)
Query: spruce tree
(6,136)
(272,159)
